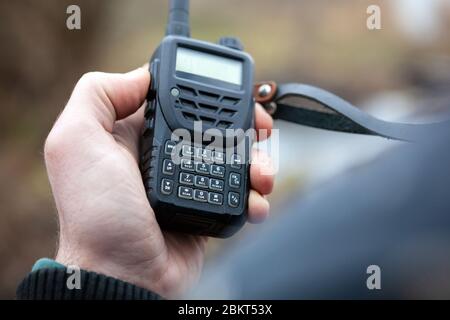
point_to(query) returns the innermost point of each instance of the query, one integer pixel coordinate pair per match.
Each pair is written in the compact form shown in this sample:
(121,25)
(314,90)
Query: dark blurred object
(393,213)
(431,78)
(432,73)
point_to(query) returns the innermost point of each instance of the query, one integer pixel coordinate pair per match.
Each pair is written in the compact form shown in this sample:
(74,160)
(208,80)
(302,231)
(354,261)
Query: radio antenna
(178,22)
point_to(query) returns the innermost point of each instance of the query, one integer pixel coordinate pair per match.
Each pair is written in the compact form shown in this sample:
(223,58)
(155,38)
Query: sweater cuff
(51,283)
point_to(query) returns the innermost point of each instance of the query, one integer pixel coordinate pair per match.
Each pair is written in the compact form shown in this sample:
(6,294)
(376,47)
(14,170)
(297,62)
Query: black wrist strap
(315,107)
(51,284)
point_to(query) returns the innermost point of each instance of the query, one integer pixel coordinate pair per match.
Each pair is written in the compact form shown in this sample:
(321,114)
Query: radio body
(198,184)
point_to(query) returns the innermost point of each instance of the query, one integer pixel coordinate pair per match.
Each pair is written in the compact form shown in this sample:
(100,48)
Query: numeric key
(216,184)
(200,195)
(187,151)
(202,167)
(202,182)
(186,178)
(205,154)
(217,171)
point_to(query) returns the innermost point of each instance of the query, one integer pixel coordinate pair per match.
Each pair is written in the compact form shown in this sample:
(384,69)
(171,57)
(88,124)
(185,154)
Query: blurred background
(401,73)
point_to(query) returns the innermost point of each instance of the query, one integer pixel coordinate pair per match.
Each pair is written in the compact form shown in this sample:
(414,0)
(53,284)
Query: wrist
(103,265)
(50,280)
(145,275)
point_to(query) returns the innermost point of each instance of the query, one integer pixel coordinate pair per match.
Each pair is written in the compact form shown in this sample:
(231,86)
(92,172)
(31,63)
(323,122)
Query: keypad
(202,175)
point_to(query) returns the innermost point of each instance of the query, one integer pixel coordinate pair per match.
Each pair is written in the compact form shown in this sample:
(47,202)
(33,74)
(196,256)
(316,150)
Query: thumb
(107,97)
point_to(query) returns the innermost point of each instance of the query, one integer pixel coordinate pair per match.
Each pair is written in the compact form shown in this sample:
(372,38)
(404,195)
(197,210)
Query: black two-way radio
(198,89)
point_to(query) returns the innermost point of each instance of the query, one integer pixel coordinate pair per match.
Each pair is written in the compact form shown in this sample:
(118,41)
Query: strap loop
(328,111)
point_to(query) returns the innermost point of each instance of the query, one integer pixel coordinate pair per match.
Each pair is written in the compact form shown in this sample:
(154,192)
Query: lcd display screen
(209,65)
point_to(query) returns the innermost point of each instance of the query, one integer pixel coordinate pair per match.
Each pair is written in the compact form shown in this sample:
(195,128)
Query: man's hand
(106,222)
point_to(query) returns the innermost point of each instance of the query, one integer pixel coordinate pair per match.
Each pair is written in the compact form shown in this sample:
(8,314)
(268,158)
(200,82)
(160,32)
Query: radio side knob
(231,42)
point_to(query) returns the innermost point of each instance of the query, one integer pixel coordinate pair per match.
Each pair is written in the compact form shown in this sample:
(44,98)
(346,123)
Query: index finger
(263,123)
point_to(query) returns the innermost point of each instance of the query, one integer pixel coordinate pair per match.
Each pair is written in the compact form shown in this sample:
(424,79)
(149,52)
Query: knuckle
(267,184)
(270,182)
(53,146)
(90,76)
(90,80)
(262,180)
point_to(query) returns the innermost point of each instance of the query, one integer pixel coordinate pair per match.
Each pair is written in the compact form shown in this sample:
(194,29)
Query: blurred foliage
(320,42)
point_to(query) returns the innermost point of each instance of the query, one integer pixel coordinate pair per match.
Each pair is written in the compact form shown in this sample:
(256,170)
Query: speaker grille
(213,109)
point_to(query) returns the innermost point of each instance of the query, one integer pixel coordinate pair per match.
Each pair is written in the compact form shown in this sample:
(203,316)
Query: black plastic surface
(222,107)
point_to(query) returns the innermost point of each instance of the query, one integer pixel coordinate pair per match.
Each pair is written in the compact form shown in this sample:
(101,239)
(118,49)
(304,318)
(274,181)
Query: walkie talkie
(201,89)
